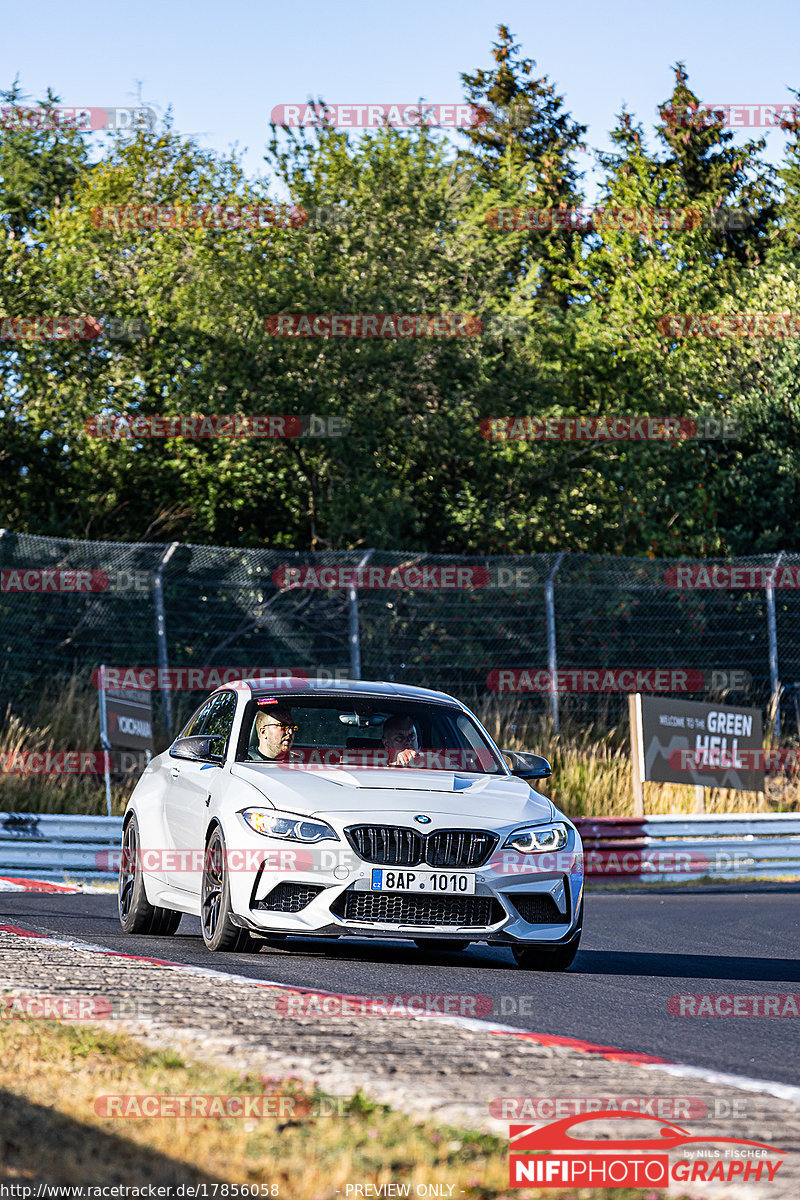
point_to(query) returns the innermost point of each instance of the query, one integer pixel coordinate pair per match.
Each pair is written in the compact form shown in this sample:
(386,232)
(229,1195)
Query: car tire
(136,913)
(219,931)
(250,944)
(556,958)
(435,945)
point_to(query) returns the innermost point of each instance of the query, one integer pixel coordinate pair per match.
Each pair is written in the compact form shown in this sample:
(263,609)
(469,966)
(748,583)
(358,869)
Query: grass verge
(51,1075)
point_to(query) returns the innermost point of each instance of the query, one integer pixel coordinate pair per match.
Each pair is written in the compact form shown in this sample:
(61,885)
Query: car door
(190,792)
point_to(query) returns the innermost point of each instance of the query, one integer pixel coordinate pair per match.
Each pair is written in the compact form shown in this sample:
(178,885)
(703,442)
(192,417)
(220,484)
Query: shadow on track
(350,950)
(686,966)
(589,962)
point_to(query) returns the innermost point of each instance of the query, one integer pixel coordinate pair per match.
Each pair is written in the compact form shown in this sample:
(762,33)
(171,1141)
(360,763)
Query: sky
(222,68)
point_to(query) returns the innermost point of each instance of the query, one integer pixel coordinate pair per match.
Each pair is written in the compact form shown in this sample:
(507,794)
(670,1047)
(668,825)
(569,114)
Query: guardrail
(50,846)
(655,849)
(734,846)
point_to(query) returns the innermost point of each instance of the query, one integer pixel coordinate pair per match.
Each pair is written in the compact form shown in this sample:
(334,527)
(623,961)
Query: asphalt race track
(638,950)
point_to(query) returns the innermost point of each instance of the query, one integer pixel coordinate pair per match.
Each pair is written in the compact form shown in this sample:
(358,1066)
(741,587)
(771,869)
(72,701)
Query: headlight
(538,838)
(287,825)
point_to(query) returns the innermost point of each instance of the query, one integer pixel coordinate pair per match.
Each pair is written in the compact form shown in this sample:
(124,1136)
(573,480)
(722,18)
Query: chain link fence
(564,634)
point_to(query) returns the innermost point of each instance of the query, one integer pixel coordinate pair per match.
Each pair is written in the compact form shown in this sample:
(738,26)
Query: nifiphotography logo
(551,1155)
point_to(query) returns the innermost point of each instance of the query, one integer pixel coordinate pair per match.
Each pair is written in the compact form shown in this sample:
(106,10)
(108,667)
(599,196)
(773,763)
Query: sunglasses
(279,725)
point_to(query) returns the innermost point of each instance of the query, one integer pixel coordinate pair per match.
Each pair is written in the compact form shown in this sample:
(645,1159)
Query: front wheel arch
(221,934)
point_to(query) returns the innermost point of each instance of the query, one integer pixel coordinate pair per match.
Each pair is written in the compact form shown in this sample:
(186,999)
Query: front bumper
(529,900)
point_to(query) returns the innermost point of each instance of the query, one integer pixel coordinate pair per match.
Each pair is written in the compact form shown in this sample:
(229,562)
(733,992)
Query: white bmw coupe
(290,807)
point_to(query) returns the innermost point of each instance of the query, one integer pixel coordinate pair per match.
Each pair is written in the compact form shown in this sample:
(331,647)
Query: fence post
(161,633)
(637,752)
(550,617)
(353,632)
(104,742)
(772,636)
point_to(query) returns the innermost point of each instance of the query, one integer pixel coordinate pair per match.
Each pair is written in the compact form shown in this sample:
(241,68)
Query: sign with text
(684,741)
(129,716)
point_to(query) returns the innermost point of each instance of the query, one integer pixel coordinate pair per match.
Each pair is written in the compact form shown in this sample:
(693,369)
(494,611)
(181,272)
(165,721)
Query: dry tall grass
(63,720)
(52,1075)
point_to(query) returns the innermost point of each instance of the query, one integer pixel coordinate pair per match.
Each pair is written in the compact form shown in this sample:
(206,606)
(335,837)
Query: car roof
(297,686)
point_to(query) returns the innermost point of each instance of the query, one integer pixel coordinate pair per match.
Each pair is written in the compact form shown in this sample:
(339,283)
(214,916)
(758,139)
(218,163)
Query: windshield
(357,732)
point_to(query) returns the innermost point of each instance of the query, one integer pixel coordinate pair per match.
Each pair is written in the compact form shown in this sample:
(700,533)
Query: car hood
(496,798)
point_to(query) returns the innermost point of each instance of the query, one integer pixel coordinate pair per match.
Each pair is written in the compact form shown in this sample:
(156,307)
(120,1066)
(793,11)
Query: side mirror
(525,765)
(198,749)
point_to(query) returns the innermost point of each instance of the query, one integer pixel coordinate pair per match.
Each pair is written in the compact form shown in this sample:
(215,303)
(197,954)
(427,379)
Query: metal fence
(149,605)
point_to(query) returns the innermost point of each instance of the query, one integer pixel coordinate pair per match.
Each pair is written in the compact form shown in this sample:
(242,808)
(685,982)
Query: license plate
(449,882)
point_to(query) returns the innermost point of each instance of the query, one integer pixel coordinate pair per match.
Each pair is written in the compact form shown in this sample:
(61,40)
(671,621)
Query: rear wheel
(219,931)
(431,945)
(136,913)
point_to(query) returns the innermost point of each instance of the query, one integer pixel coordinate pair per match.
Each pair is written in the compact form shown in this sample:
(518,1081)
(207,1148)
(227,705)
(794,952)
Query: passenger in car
(275,732)
(401,739)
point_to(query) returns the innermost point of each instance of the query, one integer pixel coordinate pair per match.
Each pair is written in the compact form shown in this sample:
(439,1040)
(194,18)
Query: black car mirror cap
(526,765)
(196,749)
